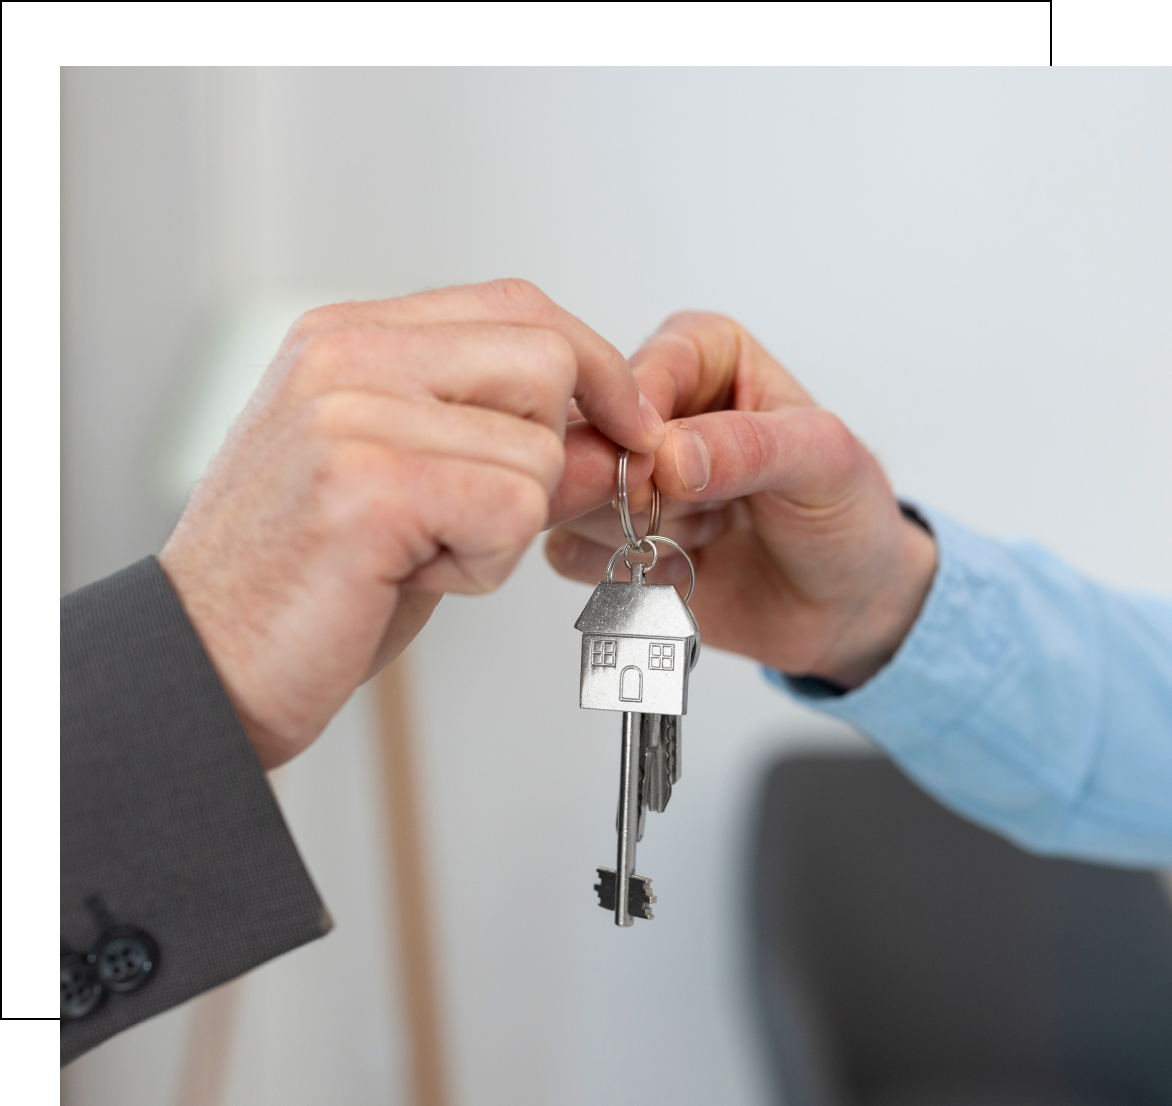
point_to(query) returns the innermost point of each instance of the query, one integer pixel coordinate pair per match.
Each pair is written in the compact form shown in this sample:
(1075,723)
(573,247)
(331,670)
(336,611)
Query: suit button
(81,993)
(124,959)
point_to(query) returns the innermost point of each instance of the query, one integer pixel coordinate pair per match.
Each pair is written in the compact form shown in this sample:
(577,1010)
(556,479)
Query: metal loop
(623,502)
(649,565)
(625,552)
(634,542)
(655,539)
(684,553)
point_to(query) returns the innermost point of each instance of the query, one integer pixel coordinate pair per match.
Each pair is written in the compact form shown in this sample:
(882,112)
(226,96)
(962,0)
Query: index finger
(605,390)
(698,362)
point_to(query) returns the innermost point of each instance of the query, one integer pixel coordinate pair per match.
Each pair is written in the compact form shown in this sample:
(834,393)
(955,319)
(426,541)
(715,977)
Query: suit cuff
(167,819)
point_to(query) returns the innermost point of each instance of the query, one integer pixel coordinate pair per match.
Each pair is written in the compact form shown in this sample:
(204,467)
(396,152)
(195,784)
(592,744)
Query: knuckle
(314,320)
(840,453)
(521,511)
(680,320)
(347,481)
(697,321)
(349,464)
(549,455)
(553,367)
(319,348)
(557,348)
(756,449)
(556,352)
(517,292)
(330,414)
(833,434)
(321,353)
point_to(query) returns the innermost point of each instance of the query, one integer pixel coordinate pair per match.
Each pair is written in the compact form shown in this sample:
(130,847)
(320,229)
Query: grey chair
(906,957)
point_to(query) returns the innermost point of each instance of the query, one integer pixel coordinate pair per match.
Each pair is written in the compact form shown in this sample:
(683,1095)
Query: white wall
(973,267)
(130,294)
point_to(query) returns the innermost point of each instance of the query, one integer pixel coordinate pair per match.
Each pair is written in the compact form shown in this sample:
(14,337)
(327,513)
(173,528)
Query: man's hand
(803,560)
(395,450)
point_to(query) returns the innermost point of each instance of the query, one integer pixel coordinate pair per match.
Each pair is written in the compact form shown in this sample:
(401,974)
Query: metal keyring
(634,542)
(624,504)
(625,552)
(656,538)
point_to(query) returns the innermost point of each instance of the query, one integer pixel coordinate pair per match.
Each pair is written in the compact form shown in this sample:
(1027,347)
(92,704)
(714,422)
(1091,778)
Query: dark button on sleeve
(125,959)
(81,993)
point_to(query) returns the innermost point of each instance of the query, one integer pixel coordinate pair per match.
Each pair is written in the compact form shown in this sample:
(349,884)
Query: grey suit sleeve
(168,827)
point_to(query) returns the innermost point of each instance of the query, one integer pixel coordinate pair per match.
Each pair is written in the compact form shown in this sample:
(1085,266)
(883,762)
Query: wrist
(209,626)
(877,628)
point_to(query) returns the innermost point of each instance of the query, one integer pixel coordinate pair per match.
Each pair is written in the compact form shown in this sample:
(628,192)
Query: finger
(575,557)
(699,362)
(524,372)
(605,389)
(803,454)
(412,611)
(479,521)
(443,429)
(431,523)
(591,472)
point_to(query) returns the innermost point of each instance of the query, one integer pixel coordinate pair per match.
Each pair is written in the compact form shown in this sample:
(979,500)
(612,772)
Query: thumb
(803,454)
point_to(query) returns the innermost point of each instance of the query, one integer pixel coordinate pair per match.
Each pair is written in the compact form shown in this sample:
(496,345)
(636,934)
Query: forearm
(1033,701)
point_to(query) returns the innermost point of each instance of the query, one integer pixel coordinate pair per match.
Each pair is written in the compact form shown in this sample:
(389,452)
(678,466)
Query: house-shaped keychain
(639,643)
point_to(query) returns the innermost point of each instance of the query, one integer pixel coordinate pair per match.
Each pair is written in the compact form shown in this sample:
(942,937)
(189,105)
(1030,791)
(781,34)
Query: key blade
(639,894)
(659,760)
(629,809)
(673,738)
(640,898)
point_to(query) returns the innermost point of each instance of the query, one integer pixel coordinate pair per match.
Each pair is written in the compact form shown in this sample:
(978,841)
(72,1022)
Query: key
(661,760)
(639,896)
(640,642)
(659,745)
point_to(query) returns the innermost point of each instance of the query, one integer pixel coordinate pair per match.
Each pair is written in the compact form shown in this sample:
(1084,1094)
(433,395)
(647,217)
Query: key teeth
(645,891)
(605,888)
(639,893)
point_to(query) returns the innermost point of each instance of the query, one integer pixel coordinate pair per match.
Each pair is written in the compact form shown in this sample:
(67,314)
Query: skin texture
(803,560)
(395,450)
(402,448)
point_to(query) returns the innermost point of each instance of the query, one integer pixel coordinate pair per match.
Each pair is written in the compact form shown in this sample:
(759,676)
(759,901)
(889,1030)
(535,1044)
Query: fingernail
(649,417)
(691,455)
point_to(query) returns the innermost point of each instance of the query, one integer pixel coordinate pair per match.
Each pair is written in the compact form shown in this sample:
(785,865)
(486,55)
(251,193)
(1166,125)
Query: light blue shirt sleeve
(1031,700)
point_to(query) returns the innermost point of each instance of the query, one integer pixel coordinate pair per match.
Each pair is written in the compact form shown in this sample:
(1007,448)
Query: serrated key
(639,896)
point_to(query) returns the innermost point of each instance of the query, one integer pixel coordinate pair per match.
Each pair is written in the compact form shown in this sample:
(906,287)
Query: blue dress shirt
(1029,699)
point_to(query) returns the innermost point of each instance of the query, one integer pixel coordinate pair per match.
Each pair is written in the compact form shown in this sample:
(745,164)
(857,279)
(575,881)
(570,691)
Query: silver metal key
(640,642)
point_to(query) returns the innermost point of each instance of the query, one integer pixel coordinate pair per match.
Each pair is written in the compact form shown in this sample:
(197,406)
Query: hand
(803,560)
(395,450)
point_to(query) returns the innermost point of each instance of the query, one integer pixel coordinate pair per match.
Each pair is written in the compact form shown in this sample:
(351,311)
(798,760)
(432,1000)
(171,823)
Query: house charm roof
(637,610)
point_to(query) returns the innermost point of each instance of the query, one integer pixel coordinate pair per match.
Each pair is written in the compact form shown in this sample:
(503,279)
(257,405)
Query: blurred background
(972,267)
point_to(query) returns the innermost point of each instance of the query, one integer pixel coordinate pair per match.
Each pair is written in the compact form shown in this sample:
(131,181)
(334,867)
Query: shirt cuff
(947,662)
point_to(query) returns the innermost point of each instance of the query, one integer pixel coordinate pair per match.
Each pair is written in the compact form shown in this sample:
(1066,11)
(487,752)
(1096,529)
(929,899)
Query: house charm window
(602,652)
(663,656)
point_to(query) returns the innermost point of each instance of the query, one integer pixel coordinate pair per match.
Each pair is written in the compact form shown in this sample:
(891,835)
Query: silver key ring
(624,504)
(625,552)
(655,539)
(635,543)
